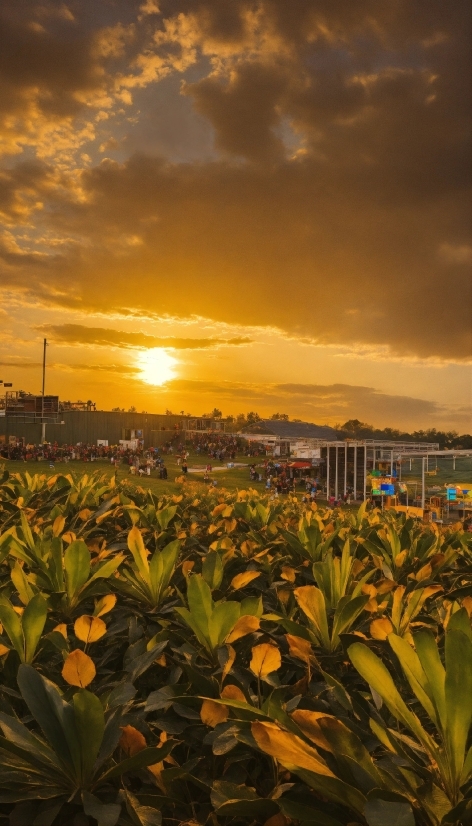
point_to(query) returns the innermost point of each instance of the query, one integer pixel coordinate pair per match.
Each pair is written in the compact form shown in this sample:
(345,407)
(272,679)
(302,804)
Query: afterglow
(157,366)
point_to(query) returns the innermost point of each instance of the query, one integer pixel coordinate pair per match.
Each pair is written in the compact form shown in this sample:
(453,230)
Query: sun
(156,366)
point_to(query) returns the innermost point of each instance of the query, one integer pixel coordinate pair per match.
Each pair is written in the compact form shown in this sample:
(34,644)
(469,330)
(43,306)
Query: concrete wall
(88,426)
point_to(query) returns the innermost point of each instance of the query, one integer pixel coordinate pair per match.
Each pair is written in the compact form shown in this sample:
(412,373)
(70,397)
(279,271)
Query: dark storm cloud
(339,207)
(102,337)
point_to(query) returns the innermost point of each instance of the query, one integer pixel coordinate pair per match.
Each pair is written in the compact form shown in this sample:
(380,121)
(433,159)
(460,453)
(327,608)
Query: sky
(249,204)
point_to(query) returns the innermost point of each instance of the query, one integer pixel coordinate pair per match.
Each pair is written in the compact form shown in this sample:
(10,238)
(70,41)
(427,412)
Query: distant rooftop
(292,430)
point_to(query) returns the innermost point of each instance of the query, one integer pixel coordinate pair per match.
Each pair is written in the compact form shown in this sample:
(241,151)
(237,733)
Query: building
(86,425)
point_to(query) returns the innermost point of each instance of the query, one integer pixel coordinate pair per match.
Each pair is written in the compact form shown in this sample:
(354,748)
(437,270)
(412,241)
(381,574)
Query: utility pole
(43,423)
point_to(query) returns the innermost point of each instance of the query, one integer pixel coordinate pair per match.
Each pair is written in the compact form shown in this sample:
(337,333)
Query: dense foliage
(229,659)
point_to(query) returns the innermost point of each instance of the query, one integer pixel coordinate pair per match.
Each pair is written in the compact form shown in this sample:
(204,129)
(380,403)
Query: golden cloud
(104,337)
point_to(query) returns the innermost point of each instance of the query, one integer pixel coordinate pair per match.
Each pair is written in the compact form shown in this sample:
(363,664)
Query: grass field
(445,471)
(237,478)
(231,479)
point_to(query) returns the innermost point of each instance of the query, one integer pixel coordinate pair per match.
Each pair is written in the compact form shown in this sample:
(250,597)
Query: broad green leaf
(33,621)
(54,716)
(20,581)
(76,566)
(413,671)
(106,814)
(90,725)
(212,570)
(458,697)
(12,624)
(375,673)
(382,810)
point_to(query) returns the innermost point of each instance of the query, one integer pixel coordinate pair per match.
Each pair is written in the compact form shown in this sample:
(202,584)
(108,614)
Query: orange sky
(254,205)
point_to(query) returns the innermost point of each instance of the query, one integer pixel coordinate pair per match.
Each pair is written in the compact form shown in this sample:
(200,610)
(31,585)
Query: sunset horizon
(248,205)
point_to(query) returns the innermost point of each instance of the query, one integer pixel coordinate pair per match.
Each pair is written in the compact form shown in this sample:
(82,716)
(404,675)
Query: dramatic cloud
(325,404)
(78,334)
(297,165)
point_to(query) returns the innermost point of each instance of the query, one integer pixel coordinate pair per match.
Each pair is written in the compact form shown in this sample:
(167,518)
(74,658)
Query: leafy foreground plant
(221,692)
(418,777)
(73,761)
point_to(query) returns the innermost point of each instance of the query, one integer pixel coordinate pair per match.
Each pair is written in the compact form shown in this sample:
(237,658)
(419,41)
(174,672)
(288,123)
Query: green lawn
(231,479)
(445,475)
(235,478)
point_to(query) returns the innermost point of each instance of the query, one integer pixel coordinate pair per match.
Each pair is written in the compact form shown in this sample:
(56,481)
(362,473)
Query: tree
(280,417)
(355,425)
(252,417)
(132,409)
(216,414)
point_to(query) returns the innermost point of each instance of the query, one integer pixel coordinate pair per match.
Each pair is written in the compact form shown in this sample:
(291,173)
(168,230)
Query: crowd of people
(139,460)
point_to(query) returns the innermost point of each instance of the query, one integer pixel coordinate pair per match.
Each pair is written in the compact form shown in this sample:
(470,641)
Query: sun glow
(156,366)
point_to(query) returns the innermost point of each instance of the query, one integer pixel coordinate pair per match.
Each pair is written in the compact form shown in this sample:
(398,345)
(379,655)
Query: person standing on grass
(184,466)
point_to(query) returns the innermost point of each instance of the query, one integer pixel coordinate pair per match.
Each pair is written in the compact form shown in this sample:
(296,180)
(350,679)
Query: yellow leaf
(58,525)
(177,499)
(288,573)
(104,605)
(265,659)
(380,628)
(229,662)
(61,629)
(232,692)
(307,721)
(136,546)
(288,749)
(467,604)
(89,629)
(131,741)
(283,595)
(18,609)
(84,514)
(245,625)
(213,713)
(79,669)
(218,509)
(240,580)
(247,547)
(230,525)
(385,585)
(277,820)
(161,660)
(3,650)
(400,558)
(69,537)
(424,572)
(187,567)
(212,528)
(299,648)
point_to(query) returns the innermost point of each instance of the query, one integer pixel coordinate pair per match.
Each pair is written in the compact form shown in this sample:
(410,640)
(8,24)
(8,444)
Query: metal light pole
(43,423)
(422,482)
(336,474)
(355,473)
(327,473)
(345,468)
